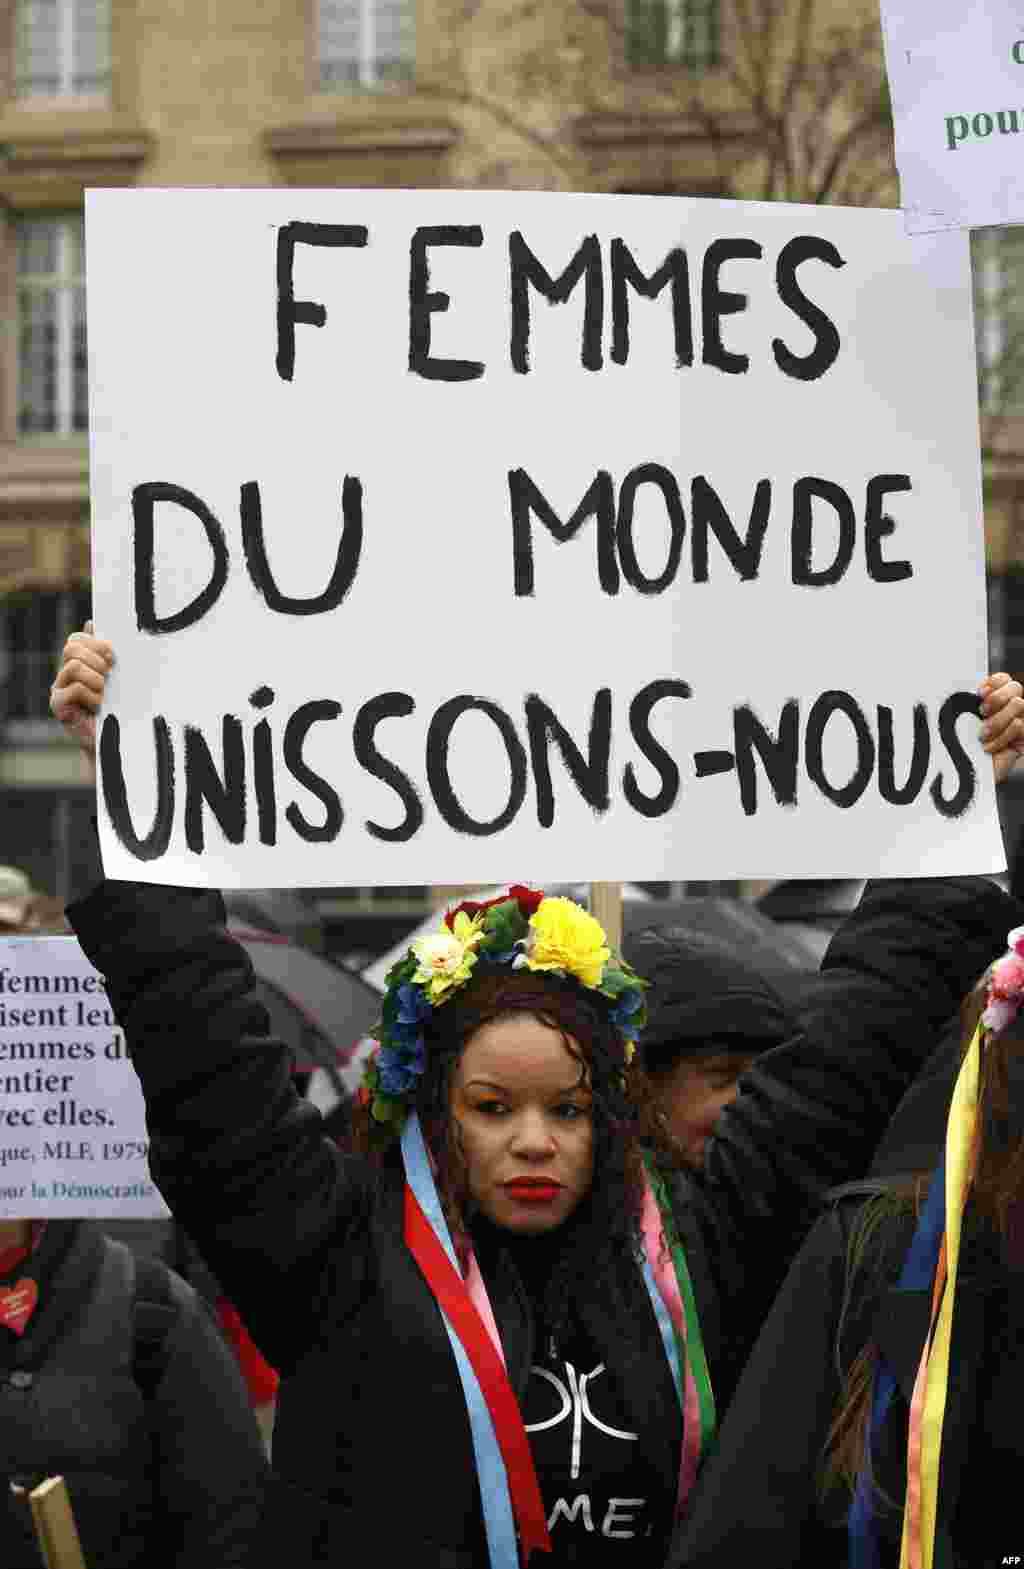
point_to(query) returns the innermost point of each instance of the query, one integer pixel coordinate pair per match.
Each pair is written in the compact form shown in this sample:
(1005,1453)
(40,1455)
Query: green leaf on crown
(504,924)
(403,970)
(383,1109)
(615,981)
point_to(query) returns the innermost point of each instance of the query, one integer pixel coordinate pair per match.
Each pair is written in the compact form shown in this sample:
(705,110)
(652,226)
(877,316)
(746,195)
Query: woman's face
(695,1092)
(526,1124)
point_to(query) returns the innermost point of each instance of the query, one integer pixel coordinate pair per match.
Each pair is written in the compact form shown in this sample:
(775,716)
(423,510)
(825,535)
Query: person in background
(24,910)
(878,1422)
(710,1016)
(113,1377)
(17,897)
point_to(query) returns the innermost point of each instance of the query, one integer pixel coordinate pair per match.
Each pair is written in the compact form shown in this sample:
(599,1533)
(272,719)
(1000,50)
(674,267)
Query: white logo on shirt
(575,1403)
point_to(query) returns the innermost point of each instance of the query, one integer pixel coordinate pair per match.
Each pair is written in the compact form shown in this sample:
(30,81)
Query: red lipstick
(533,1190)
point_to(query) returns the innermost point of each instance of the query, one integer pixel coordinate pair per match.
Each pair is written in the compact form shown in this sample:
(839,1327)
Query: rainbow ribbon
(917,1274)
(670,1289)
(932,1259)
(928,1403)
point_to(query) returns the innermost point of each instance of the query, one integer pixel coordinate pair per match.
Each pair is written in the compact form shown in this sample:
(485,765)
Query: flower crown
(522,929)
(1004,997)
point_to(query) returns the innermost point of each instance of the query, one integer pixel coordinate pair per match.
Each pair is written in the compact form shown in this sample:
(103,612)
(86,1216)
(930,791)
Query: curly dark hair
(605,1228)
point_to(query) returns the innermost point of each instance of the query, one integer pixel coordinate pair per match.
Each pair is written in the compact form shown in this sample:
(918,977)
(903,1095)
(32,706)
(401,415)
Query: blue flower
(621,1016)
(507,956)
(398,1072)
(413,1004)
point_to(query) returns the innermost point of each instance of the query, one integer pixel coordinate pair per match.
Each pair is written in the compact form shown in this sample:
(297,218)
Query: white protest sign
(463,536)
(73,1136)
(956,76)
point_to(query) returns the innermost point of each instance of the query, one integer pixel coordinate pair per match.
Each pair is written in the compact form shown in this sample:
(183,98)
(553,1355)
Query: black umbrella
(316,1006)
(283,911)
(782,958)
(811,909)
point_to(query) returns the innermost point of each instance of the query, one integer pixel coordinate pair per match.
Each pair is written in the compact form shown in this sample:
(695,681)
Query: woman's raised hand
(77,693)
(1002,729)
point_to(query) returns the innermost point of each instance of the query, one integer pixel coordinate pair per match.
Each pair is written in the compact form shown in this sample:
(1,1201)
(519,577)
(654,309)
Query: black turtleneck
(603,1498)
(535,1258)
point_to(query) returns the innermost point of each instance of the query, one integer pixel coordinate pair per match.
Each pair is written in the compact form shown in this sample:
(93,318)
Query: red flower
(527,898)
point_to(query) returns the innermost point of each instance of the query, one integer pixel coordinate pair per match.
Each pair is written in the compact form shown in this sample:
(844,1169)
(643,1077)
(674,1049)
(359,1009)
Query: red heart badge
(17,1304)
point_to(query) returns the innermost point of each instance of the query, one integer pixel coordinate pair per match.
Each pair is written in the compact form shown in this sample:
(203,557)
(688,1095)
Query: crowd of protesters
(526,1315)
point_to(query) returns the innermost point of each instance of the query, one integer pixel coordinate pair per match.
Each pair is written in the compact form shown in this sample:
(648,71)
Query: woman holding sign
(510,1324)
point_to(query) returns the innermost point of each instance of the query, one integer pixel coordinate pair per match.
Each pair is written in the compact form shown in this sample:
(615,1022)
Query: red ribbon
(454,1301)
(261,1380)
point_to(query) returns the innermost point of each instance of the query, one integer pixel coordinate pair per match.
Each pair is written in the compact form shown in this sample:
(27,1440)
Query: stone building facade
(604,95)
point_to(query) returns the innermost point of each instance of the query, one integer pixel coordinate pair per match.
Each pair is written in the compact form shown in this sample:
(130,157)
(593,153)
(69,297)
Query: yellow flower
(566,938)
(445,960)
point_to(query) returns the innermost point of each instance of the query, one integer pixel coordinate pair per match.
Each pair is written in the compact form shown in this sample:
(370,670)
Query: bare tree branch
(846,147)
(510,119)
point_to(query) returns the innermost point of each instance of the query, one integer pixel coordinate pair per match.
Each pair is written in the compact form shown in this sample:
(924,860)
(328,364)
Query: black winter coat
(138,1406)
(761,1498)
(372,1443)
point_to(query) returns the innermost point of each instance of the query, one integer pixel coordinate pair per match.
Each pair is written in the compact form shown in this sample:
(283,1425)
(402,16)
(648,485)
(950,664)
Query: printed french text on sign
(73,1136)
(956,73)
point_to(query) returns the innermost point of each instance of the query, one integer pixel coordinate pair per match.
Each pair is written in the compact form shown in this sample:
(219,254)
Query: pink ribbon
(664,1273)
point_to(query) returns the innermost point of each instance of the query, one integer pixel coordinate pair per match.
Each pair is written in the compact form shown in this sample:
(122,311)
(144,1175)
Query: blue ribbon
(666,1328)
(499,1523)
(917,1274)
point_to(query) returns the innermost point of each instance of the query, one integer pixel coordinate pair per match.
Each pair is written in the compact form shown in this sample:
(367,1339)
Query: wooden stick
(55,1525)
(606,907)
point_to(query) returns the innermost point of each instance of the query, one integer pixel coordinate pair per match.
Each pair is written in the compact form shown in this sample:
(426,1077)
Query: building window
(52,372)
(673,32)
(62,48)
(998,258)
(36,624)
(363,43)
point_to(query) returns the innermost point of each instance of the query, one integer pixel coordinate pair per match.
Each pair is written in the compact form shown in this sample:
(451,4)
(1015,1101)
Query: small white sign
(73,1138)
(956,75)
(459,536)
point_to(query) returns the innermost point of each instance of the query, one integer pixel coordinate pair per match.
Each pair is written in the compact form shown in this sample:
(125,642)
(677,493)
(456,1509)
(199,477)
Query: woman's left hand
(1002,729)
